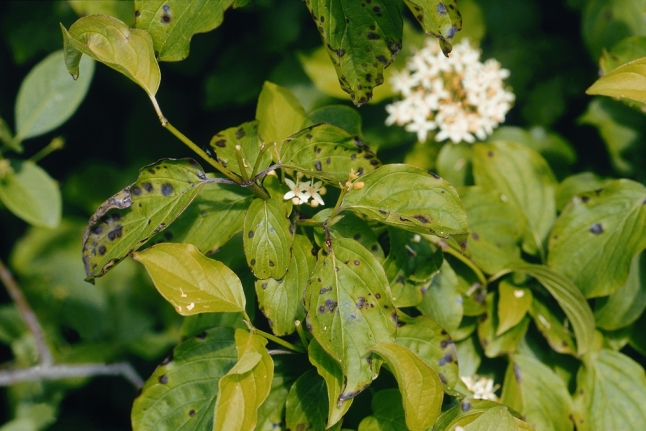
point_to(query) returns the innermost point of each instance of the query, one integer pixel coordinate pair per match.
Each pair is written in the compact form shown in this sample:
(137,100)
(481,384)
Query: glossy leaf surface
(441,18)
(162,191)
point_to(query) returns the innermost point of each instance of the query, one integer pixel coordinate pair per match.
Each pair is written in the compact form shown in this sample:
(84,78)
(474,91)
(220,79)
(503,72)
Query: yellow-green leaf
(441,18)
(513,304)
(279,113)
(495,419)
(306,408)
(626,82)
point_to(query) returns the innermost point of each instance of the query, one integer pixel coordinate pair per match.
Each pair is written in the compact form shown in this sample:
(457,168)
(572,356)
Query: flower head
(302,191)
(459,96)
(481,387)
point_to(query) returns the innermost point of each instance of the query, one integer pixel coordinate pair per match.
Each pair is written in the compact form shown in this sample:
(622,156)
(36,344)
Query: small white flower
(314,190)
(481,387)
(303,190)
(297,192)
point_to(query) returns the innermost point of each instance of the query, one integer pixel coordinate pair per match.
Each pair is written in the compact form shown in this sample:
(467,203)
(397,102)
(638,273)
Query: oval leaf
(598,234)
(441,18)
(467,411)
(627,82)
(498,345)
(48,97)
(349,309)
(497,418)
(267,239)
(31,194)
(279,113)
(162,191)
(111,42)
(513,305)
(190,281)
(181,393)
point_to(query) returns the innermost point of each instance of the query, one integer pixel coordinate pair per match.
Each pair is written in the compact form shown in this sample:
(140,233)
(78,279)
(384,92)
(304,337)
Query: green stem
(301,333)
(344,191)
(56,144)
(242,164)
(280,341)
(263,149)
(458,255)
(499,274)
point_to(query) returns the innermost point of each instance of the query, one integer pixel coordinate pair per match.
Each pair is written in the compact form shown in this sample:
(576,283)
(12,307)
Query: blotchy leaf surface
(268,239)
(598,234)
(31,194)
(48,96)
(361,38)
(327,152)
(410,198)
(162,191)
(190,281)
(181,393)
(419,384)
(111,42)
(349,309)
(441,18)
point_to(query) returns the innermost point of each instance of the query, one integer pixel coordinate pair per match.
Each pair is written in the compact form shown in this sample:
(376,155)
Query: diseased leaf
(349,309)
(513,304)
(598,234)
(410,198)
(361,38)
(551,322)
(30,193)
(278,112)
(281,301)
(48,96)
(387,412)
(327,152)
(498,345)
(244,388)
(348,226)
(190,281)
(419,384)
(442,300)
(122,9)
(172,23)
(111,42)
(441,18)
(268,239)
(181,393)
(162,191)
(575,185)
(306,408)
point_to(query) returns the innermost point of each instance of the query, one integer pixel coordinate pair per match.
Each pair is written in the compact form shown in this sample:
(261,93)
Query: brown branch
(56,372)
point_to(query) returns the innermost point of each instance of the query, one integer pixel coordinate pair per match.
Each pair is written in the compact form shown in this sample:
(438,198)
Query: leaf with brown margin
(441,18)
(172,23)
(111,42)
(349,309)
(162,191)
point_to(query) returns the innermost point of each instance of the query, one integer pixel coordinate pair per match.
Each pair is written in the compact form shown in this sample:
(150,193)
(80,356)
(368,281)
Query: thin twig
(45,357)
(56,372)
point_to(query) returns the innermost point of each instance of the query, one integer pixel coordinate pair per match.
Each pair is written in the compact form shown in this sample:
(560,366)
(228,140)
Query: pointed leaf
(627,81)
(441,18)
(387,412)
(467,411)
(48,96)
(442,300)
(418,382)
(341,116)
(513,304)
(598,234)
(181,393)
(162,191)
(279,113)
(190,281)
(31,194)
(361,39)
(306,408)
(527,182)
(575,185)
(498,345)
(281,301)
(495,419)
(268,239)
(327,152)
(348,226)
(349,309)
(550,321)
(172,23)
(411,199)
(244,388)
(111,42)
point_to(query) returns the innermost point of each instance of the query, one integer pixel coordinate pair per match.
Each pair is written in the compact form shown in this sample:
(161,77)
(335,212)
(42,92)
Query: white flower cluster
(305,191)
(459,96)
(481,387)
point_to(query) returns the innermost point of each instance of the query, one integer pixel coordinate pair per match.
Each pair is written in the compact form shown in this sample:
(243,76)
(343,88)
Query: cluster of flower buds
(482,387)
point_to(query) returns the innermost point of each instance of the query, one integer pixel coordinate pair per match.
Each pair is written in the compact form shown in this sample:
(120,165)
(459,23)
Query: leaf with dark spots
(441,18)
(329,144)
(352,50)
(349,226)
(108,240)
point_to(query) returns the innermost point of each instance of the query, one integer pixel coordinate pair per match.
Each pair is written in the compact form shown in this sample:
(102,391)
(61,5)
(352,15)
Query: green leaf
(190,281)
(361,39)
(441,18)
(331,372)
(598,234)
(162,191)
(533,389)
(605,23)
(624,51)
(432,345)
(341,116)
(268,236)
(454,164)
(513,304)
(611,389)
(214,216)
(111,42)
(48,97)
(525,179)
(411,199)
(349,226)
(497,418)
(223,148)
(6,137)
(31,194)
(576,185)
(551,322)
(122,9)
(281,301)
(327,152)
(272,411)
(349,309)
(494,244)
(467,411)
(172,23)
(442,300)
(244,388)
(624,306)
(569,298)
(181,393)
(626,82)
(469,355)
(419,384)
(387,412)
(306,408)
(498,345)
(279,113)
